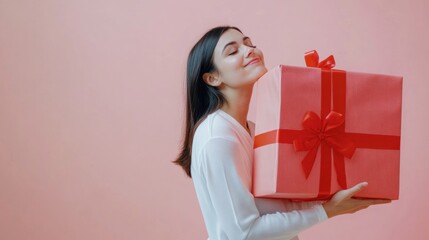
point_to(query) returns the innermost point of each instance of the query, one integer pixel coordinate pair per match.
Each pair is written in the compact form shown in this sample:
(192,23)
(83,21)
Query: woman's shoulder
(215,125)
(213,134)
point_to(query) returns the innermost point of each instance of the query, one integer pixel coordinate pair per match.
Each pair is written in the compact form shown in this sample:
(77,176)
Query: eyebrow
(233,42)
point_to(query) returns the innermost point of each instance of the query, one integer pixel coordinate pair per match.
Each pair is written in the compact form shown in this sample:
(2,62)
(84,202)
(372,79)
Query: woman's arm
(235,206)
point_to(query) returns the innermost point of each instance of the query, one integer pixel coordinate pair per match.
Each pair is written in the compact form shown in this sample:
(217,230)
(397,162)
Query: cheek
(232,69)
(233,62)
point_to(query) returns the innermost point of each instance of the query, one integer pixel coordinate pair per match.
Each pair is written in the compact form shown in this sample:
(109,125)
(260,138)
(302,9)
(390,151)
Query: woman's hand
(343,203)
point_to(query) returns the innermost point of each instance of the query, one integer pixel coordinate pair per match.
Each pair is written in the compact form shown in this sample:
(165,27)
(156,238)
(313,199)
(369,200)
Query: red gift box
(320,130)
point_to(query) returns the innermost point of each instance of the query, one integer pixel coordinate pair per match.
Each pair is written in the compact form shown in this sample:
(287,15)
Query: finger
(355,189)
(360,208)
(368,202)
(372,201)
(380,201)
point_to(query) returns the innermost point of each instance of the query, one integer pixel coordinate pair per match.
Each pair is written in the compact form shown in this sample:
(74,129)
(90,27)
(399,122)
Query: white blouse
(222,155)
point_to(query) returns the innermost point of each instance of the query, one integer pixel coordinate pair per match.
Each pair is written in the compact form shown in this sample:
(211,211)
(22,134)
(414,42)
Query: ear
(211,79)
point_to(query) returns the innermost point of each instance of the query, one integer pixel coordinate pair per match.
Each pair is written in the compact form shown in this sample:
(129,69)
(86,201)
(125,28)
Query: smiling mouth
(256,60)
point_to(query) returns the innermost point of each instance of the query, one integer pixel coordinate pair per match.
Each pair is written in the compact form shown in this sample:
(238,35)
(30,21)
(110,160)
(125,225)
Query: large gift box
(319,130)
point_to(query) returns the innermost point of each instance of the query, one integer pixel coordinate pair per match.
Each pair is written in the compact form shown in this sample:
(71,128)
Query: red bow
(312,60)
(317,131)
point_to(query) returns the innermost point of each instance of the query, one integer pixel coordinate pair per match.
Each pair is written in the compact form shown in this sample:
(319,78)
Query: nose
(249,51)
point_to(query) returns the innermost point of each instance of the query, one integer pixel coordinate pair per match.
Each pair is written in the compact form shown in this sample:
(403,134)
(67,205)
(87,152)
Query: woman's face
(237,61)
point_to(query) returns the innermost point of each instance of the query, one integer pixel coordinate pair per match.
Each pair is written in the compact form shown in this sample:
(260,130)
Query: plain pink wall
(91,99)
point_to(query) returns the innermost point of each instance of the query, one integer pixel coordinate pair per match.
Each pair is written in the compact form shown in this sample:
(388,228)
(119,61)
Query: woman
(218,146)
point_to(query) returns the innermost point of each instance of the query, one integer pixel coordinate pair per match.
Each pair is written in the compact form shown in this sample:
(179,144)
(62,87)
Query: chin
(261,73)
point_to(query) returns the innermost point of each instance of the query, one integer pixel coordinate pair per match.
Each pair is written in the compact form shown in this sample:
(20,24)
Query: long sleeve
(234,206)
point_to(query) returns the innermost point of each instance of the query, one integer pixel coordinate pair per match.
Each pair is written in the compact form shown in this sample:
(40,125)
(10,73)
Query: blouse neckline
(235,122)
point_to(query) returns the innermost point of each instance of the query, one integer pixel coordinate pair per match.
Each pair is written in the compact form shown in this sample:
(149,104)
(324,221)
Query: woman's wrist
(328,209)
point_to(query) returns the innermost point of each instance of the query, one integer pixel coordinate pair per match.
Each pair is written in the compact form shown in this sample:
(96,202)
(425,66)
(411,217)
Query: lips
(255,60)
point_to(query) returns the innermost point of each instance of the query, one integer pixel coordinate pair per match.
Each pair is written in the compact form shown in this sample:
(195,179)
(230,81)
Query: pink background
(92,98)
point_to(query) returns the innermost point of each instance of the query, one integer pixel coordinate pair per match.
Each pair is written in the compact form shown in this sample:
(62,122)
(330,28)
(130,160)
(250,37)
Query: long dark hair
(201,98)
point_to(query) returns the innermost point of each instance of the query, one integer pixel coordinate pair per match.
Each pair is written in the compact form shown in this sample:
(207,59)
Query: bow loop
(333,121)
(312,122)
(312,60)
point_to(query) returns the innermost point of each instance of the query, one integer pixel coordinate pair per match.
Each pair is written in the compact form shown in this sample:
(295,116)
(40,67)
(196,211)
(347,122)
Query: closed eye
(233,53)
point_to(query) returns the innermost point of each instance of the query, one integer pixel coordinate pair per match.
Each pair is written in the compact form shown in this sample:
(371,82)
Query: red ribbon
(317,131)
(328,131)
